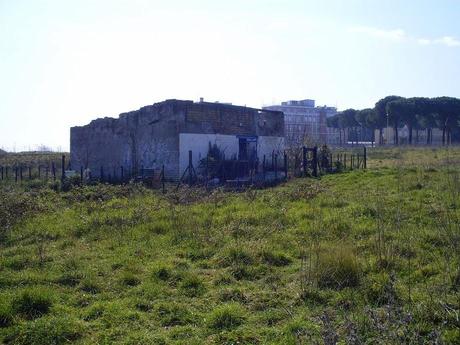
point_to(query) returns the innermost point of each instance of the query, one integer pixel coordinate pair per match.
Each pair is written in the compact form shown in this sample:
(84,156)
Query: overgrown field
(32,159)
(363,257)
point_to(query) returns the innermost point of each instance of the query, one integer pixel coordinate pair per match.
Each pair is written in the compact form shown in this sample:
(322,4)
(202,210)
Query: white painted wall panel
(229,144)
(199,144)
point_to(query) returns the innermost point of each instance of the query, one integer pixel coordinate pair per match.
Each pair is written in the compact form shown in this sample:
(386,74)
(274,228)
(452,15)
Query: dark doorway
(247,148)
(243,150)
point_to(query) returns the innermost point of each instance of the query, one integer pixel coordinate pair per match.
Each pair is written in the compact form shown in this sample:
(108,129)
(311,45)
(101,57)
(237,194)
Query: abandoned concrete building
(162,134)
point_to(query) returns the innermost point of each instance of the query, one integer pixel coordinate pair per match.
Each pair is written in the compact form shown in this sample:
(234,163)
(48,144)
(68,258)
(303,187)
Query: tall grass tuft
(32,303)
(227,316)
(337,268)
(6,313)
(47,330)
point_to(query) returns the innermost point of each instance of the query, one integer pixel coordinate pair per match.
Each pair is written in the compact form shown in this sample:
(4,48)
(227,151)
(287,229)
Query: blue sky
(63,63)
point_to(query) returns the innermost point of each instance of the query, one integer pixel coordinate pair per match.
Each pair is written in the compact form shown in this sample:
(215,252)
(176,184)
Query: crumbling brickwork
(149,137)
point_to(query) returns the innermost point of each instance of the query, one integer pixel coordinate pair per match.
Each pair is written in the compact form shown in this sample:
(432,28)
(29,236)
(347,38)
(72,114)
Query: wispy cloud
(448,41)
(424,41)
(395,35)
(399,35)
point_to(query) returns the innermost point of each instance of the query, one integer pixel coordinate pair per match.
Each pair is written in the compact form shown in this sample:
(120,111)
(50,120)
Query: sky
(64,63)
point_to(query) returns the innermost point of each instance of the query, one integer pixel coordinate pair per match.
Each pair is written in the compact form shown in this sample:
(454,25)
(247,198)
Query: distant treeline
(417,113)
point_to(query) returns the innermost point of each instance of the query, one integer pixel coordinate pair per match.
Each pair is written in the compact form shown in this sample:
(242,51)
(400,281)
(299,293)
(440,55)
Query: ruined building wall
(163,133)
(143,138)
(221,124)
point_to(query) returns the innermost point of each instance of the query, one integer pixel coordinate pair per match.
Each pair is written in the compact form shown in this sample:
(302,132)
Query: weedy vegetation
(362,257)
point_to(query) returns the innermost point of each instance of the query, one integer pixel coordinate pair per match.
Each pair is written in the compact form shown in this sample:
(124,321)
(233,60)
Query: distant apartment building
(306,123)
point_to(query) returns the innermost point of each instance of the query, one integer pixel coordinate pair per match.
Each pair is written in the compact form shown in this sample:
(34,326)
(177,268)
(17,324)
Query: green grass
(32,159)
(371,255)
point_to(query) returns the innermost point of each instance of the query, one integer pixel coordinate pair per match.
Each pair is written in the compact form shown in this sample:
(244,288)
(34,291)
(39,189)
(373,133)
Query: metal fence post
(276,166)
(190,176)
(163,179)
(365,157)
(315,161)
(263,168)
(63,168)
(285,165)
(304,160)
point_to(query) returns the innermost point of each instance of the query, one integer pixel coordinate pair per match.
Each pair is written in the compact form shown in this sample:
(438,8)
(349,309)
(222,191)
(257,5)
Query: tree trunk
(396,136)
(410,135)
(380,136)
(416,137)
(443,135)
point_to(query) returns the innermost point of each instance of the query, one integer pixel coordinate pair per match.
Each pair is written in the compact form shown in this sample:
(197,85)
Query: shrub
(232,295)
(275,258)
(16,263)
(94,312)
(46,331)
(271,317)
(302,329)
(14,207)
(227,316)
(338,268)
(196,253)
(380,289)
(160,228)
(240,272)
(172,314)
(163,272)
(70,182)
(32,303)
(70,278)
(192,286)
(236,256)
(35,184)
(130,279)
(90,285)
(456,281)
(312,295)
(224,278)
(143,305)
(6,313)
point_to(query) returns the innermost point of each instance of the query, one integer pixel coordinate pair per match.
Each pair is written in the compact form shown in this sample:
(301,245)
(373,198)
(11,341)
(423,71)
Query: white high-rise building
(306,123)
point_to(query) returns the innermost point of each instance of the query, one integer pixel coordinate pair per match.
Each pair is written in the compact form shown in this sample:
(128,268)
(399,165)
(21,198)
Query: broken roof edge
(173,100)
